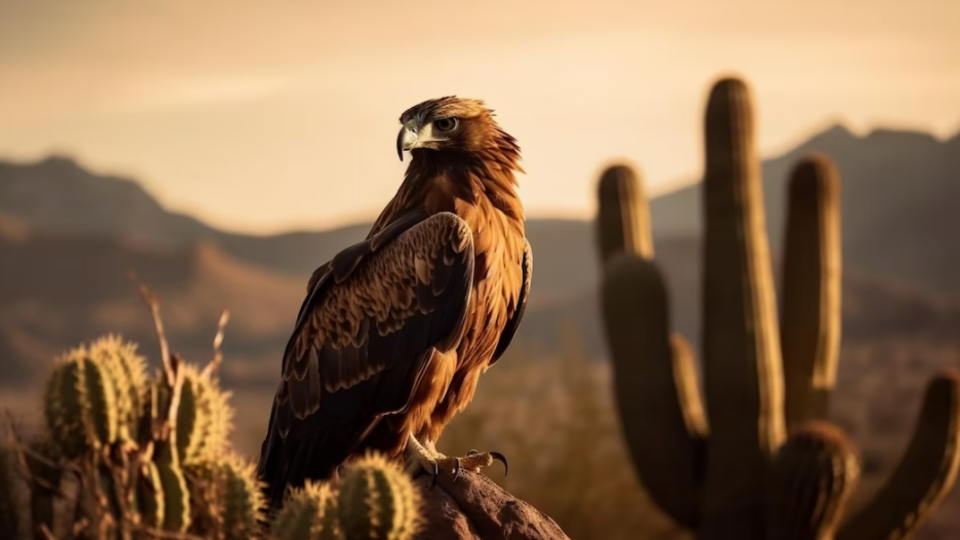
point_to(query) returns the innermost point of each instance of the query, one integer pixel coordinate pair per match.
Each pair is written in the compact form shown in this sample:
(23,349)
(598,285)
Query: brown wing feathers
(363,340)
(514,322)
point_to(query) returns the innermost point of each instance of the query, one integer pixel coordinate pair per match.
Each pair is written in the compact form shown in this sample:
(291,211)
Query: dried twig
(213,368)
(45,531)
(151,299)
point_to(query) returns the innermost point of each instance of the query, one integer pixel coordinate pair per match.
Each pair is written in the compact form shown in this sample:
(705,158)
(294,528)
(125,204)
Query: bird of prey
(395,331)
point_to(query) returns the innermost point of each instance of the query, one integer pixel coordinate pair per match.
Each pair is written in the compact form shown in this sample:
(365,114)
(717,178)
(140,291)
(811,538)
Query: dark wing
(377,314)
(514,322)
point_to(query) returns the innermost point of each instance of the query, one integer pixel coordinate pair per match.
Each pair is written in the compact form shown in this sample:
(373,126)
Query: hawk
(395,331)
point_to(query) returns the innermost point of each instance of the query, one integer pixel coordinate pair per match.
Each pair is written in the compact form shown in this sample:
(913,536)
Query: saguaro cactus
(738,477)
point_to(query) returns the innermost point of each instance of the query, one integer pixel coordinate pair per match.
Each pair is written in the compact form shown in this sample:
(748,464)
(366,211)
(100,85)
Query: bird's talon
(502,459)
(456,469)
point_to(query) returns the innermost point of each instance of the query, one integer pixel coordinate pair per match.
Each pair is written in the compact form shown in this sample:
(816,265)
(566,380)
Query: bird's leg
(421,460)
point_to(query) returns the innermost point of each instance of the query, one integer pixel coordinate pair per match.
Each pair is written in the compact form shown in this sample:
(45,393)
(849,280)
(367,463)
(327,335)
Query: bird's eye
(446,124)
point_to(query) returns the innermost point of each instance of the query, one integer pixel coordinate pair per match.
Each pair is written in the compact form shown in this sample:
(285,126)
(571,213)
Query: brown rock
(475,508)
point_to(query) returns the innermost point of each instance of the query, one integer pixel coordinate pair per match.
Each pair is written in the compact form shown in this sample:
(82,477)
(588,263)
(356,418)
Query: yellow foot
(474,461)
(424,458)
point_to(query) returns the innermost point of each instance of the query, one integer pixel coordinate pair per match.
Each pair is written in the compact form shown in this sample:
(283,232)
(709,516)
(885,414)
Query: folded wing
(375,316)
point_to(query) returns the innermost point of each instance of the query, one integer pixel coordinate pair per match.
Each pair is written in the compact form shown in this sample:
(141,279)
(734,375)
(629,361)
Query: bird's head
(448,124)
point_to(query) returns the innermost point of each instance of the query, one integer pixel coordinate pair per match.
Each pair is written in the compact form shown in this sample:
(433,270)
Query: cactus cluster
(131,439)
(149,457)
(728,469)
(376,501)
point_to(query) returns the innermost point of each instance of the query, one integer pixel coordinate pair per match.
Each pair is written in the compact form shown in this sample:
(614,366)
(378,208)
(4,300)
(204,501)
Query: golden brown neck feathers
(475,157)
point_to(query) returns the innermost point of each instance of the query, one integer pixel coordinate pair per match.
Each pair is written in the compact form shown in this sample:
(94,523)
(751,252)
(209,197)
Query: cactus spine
(378,501)
(309,513)
(719,483)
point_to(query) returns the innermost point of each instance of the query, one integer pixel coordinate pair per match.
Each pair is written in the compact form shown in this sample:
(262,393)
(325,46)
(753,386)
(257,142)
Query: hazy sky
(269,116)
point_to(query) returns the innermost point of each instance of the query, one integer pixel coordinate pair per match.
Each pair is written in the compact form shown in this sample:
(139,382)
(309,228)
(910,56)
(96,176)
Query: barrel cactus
(378,501)
(714,465)
(243,500)
(81,404)
(309,513)
(204,418)
(128,372)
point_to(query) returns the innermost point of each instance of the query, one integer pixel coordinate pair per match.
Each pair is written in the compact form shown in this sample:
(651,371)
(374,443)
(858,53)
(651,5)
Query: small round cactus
(378,501)
(309,513)
(81,404)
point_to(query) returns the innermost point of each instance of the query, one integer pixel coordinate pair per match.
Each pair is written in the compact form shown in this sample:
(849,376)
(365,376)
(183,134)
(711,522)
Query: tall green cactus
(620,226)
(810,319)
(717,479)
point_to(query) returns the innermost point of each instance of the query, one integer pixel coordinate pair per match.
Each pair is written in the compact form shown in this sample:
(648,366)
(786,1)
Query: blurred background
(223,150)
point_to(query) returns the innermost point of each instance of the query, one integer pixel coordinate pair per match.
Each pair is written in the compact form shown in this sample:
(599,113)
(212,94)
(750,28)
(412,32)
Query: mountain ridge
(43,196)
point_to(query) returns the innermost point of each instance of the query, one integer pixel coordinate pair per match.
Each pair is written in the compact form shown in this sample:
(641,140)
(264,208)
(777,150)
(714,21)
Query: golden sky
(266,116)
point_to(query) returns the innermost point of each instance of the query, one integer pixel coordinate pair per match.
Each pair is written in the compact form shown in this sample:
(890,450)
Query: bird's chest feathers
(489,225)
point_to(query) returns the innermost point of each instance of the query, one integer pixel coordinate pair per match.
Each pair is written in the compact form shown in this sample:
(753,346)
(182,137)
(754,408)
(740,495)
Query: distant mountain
(901,213)
(68,238)
(901,203)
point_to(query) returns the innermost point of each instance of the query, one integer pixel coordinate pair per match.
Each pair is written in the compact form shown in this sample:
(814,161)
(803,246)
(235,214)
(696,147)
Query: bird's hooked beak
(413,135)
(408,137)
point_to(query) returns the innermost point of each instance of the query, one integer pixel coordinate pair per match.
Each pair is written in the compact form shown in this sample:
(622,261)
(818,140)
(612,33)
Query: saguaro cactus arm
(812,477)
(661,415)
(810,317)
(741,347)
(623,219)
(925,475)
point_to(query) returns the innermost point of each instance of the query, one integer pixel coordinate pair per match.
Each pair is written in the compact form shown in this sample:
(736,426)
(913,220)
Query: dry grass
(554,419)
